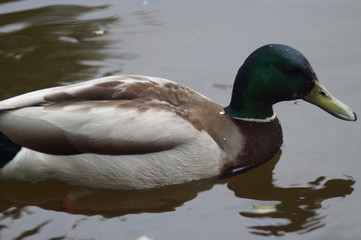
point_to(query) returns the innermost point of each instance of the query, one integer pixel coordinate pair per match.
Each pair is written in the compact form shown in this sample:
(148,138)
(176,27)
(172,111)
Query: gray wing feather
(97,116)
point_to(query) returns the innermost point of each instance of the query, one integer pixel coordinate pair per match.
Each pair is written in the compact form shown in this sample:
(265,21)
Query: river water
(310,190)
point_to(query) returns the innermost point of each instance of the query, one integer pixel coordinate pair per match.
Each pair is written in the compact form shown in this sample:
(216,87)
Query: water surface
(309,190)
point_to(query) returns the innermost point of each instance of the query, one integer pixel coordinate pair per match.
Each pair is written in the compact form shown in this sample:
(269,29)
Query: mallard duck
(137,132)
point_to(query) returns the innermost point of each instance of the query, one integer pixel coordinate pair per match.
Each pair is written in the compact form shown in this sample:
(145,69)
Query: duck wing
(113,115)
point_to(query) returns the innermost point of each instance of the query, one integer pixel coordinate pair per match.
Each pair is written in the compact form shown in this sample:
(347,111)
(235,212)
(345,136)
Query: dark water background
(309,191)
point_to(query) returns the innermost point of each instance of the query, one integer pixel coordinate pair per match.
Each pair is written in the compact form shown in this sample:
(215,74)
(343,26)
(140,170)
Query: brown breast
(261,143)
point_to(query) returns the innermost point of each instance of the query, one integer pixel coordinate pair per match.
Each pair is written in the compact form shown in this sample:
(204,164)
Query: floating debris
(264,209)
(144,238)
(100,32)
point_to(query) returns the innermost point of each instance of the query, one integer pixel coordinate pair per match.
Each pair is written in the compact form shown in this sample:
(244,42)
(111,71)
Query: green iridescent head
(275,73)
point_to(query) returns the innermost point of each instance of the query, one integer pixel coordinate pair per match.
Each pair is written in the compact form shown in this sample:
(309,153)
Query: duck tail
(8,150)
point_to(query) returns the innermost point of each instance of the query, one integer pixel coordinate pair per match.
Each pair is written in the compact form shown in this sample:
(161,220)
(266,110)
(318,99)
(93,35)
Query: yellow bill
(321,97)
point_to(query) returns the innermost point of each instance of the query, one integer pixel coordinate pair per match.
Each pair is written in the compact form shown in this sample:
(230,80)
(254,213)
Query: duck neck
(249,98)
(250,112)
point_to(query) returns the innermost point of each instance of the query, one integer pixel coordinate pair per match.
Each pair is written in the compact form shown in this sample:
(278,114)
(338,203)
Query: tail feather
(8,149)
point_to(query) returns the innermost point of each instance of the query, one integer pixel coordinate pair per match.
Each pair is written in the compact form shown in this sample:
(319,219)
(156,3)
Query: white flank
(195,156)
(195,160)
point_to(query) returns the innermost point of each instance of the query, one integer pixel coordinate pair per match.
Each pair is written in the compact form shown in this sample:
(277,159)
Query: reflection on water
(107,203)
(50,45)
(298,207)
(45,46)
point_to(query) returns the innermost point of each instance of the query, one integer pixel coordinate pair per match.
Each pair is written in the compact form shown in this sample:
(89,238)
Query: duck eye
(323,93)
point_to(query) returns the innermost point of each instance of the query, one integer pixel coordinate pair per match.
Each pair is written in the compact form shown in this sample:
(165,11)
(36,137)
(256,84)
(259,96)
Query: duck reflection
(296,206)
(299,207)
(46,46)
(49,195)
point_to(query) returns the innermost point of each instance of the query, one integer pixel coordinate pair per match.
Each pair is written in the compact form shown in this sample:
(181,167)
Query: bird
(138,132)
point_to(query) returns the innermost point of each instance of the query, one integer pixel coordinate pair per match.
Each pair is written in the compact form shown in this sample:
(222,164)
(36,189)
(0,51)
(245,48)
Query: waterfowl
(137,132)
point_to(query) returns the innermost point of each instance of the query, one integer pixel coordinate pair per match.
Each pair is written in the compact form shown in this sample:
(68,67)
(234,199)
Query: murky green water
(310,191)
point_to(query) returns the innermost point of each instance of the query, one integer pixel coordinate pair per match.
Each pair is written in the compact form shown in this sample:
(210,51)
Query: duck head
(275,73)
